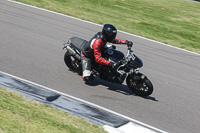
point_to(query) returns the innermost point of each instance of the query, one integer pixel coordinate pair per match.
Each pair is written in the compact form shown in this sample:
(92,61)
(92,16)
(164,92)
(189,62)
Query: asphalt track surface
(31,48)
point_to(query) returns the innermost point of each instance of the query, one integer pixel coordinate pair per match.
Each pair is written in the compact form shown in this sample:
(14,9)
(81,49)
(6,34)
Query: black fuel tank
(112,54)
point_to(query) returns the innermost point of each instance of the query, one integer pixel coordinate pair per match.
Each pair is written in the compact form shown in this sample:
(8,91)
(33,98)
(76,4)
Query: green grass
(21,115)
(175,22)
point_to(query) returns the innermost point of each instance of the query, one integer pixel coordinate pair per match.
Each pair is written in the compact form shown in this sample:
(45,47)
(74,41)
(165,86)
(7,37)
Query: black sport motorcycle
(128,67)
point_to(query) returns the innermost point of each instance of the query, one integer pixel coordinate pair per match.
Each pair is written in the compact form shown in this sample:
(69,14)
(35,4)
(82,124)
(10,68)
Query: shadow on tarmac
(120,88)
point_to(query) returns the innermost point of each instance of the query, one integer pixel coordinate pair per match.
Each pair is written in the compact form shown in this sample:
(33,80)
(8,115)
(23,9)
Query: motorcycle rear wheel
(140,87)
(73,63)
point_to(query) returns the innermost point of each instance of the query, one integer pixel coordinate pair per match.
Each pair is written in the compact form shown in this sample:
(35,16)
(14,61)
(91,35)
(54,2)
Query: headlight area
(136,71)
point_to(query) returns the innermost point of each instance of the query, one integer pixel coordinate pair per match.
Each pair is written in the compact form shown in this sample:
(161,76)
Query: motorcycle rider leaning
(92,50)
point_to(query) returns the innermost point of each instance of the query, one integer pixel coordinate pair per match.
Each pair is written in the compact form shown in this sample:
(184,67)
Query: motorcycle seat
(77,42)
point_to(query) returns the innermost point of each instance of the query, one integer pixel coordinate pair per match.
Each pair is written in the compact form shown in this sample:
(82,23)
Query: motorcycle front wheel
(72,63)
(139,86)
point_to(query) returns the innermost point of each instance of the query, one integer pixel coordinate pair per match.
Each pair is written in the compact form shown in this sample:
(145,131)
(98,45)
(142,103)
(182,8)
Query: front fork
(139,76)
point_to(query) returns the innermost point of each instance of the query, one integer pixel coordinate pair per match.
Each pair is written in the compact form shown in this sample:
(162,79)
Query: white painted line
(101,26)
(111,129)
(130,127)
(83,101)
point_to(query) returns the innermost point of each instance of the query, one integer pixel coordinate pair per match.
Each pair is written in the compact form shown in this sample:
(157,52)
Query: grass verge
(22,115)
(175,22)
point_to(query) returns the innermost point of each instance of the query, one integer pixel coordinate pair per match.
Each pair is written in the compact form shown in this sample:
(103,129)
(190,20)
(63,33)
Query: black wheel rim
(139,86)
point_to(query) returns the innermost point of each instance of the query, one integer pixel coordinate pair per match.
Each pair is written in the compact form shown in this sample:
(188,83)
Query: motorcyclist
(91,51)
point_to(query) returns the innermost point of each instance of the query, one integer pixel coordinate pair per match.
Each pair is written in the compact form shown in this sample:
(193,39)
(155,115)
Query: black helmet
(109,32)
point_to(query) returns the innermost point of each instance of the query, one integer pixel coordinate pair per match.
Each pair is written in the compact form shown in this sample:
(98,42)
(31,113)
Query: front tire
(141,87)
(72,63)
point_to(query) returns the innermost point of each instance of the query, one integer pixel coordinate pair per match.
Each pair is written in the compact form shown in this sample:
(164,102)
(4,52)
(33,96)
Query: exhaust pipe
(71,51)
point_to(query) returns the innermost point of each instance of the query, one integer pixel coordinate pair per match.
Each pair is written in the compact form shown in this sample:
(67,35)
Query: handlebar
(129,48)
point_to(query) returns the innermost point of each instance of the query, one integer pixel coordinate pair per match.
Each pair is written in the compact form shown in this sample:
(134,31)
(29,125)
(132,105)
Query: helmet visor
(110,36)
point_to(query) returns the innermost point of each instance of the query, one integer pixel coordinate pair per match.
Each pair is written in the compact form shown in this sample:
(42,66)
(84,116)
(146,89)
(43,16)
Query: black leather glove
(114,65)
(129,43)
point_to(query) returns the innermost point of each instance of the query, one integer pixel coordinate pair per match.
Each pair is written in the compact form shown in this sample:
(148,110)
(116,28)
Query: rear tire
(72,63)
(141,87)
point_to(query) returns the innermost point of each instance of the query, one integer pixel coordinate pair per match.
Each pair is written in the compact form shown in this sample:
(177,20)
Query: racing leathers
(91,51)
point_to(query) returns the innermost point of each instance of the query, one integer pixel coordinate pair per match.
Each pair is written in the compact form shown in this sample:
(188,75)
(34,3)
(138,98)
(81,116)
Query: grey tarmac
(31,48)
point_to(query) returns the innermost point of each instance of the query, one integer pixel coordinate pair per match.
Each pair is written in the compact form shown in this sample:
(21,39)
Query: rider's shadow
(120,88)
